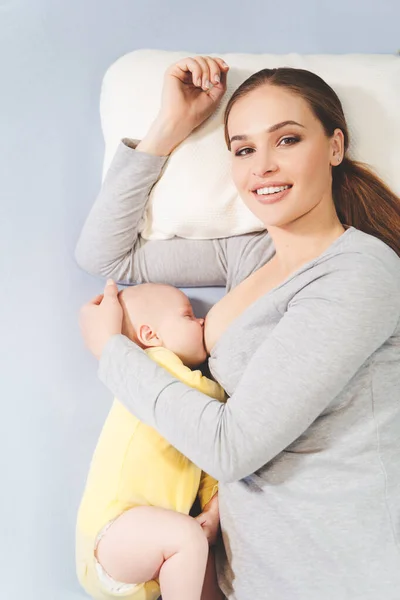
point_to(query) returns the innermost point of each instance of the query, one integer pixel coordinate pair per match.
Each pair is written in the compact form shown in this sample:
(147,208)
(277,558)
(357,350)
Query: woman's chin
(275,219)
(269,215)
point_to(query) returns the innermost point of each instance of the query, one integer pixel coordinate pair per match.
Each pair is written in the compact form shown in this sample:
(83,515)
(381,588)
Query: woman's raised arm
(110,245)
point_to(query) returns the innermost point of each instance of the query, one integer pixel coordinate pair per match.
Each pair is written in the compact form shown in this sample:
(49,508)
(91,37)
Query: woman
(306,342)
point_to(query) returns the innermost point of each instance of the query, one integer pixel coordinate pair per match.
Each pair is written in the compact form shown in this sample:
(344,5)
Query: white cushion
(195,197)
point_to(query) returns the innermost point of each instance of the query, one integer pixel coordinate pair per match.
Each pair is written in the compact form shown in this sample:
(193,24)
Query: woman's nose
(263,164)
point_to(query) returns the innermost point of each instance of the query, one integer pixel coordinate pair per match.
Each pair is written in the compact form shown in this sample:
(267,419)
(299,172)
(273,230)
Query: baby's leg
(147,543)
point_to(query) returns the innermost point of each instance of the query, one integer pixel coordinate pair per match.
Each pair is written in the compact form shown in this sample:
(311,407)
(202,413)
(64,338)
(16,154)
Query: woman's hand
(209,520)
(192,90)
(101,318)
(190,94)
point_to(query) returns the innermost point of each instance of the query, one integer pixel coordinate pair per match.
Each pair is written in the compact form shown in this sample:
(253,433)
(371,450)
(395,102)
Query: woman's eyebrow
(269,130)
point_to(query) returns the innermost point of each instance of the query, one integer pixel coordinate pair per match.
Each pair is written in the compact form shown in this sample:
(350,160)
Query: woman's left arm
(329,330)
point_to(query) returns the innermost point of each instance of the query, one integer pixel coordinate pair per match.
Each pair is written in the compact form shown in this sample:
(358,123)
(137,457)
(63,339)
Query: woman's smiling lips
(275,196)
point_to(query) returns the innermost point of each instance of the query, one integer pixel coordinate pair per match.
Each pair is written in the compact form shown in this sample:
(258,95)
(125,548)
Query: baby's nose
(201,321)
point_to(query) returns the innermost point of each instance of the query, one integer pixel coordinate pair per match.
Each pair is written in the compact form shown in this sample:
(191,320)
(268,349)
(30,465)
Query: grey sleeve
(331,327)
(110,246)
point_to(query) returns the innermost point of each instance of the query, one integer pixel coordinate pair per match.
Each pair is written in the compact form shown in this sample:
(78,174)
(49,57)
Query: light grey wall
(53,55)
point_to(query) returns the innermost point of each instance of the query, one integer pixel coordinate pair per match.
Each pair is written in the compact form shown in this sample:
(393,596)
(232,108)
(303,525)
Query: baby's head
(161,315)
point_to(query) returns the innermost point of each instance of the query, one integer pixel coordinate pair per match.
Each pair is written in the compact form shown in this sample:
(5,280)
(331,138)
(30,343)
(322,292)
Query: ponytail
(365,202)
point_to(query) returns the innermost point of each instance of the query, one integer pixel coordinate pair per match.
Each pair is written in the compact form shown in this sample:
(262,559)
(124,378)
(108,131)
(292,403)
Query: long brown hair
(361,198)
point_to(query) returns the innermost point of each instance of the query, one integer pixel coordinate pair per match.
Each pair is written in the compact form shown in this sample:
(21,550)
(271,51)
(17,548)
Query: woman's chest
(242,338)
(246,317)
(240,299)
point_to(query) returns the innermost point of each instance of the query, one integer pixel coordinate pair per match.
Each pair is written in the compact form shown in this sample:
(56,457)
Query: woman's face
(285,154)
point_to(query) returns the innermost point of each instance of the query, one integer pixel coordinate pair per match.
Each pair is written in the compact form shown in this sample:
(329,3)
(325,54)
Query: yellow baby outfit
(134,466)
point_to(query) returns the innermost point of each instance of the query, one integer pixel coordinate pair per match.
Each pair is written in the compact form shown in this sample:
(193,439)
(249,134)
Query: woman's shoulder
(354,255)
(356,249)
(356,280)
(357,271)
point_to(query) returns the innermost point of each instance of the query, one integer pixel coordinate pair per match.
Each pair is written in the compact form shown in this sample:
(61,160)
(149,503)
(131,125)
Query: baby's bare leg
(148,542)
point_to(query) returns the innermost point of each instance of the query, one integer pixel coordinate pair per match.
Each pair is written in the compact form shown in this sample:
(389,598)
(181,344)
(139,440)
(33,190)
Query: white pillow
(195,197)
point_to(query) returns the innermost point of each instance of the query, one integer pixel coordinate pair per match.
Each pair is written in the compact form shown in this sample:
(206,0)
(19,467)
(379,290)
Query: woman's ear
(337,147)
(148,337)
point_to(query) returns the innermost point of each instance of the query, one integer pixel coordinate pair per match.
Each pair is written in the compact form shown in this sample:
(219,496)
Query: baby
(134,534)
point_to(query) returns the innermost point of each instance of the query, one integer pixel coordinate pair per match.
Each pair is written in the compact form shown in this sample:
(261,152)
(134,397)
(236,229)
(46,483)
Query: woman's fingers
(224,70)
(95,301)
(203,71)
(187,70)
(111,290)
(101,318)
(213,69)
(217,68)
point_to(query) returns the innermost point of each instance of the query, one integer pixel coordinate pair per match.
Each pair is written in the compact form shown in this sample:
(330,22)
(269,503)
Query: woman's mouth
(271,194)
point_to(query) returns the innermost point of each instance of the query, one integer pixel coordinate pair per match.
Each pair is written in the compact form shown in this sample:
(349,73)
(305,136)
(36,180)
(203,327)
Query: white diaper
(109,584)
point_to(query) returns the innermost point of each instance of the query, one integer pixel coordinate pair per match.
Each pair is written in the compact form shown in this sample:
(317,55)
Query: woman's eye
(239,152)
(288,141)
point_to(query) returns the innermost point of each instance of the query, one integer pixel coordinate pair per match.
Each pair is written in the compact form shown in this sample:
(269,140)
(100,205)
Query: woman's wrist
(162,138)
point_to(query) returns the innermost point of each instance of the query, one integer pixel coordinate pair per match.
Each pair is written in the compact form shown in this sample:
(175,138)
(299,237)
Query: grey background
(53,55)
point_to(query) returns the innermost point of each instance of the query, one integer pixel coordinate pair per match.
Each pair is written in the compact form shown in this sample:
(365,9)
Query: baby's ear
(148,337)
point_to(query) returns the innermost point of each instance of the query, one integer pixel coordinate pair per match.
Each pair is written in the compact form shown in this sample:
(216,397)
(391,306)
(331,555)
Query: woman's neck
(303,241)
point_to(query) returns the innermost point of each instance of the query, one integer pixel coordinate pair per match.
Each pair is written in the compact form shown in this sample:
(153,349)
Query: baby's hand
(209,520)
